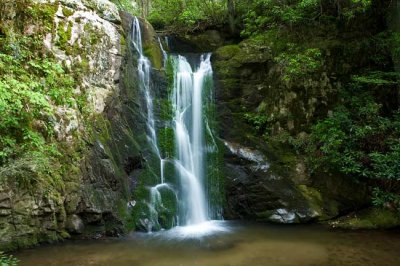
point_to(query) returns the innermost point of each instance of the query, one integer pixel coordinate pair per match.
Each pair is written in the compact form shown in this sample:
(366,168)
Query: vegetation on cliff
(50,105)
(32,86)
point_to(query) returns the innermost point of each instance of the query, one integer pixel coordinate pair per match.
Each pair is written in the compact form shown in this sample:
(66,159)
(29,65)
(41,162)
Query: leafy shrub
(360,140)
(31,85)
(186,16)
(298,65)
(261,15)
(258,121)
(8,260)
(383,199)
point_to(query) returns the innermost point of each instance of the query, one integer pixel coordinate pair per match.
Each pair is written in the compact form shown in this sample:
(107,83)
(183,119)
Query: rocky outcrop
(86,37)
(259,106)
(259,190)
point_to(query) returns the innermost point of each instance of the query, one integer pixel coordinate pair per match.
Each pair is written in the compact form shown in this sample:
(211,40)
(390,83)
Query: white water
(144,68)
(189,135)
(187,101)
(165,55)
(144,74)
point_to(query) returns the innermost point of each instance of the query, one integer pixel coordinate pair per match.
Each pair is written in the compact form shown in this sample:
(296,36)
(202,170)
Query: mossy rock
(154,53)
(206,41)
(326,208)
(227,52)
(67,11)
(371,218)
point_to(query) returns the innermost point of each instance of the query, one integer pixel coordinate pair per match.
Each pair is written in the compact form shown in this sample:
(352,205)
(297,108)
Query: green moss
(64,35)
(125,215)
(85,65)
(64,234)
(169,209)
(153,52)
(166,142)
(122,40)
(227,69)
(314,199)
(227,52)
(166,113)
(42,13)
(373,218)
(67,11)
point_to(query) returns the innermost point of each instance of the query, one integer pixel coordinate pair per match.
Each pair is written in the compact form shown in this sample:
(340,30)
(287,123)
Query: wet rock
(74,224)
(258,189)
(283,216)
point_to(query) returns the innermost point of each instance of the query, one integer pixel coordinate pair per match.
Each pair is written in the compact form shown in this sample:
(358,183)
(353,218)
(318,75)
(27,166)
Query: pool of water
(237,244)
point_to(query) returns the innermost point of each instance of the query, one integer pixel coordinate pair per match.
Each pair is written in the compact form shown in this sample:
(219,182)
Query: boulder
(75,224)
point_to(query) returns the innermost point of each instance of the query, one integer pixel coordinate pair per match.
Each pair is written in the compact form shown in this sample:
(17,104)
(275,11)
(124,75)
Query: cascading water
(144,69)
(188,181)
(144,74)
(187,104)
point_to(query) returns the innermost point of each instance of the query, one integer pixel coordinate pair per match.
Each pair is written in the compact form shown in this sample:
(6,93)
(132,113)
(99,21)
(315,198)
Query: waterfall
(144,75)
(186,185)
(144,68)
(189,134)
(164,53)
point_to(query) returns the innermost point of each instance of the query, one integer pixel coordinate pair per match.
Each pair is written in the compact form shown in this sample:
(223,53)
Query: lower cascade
(182,175)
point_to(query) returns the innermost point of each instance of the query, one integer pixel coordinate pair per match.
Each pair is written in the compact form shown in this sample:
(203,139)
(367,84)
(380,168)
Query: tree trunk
(232,15)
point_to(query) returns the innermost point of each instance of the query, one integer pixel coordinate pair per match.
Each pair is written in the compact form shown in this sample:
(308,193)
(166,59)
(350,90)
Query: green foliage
(64,34)
(265,14)
(36,169)
(297,65)
(166,142)
(8,260)
(355,7)
(30,86)
(188,15)
(383,198)
(377,78)
(126,5)
(261,15)
(360,140)
(258,121)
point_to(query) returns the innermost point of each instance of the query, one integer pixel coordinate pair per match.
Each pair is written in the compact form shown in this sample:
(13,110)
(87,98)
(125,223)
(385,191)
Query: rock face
(74,224)
(259,190)
(266,180)
(90,198)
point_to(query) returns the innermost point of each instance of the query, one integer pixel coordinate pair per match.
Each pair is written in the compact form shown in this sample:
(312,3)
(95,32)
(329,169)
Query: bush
(261,15)
(30,87)
(8,260)
(360,140)
(299,65)
(186,16)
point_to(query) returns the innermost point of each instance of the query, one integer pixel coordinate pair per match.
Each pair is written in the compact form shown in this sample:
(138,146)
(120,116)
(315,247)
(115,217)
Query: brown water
(245,244)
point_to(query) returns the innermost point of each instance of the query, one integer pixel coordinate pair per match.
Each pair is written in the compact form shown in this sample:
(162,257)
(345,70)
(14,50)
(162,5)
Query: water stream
(190,91)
